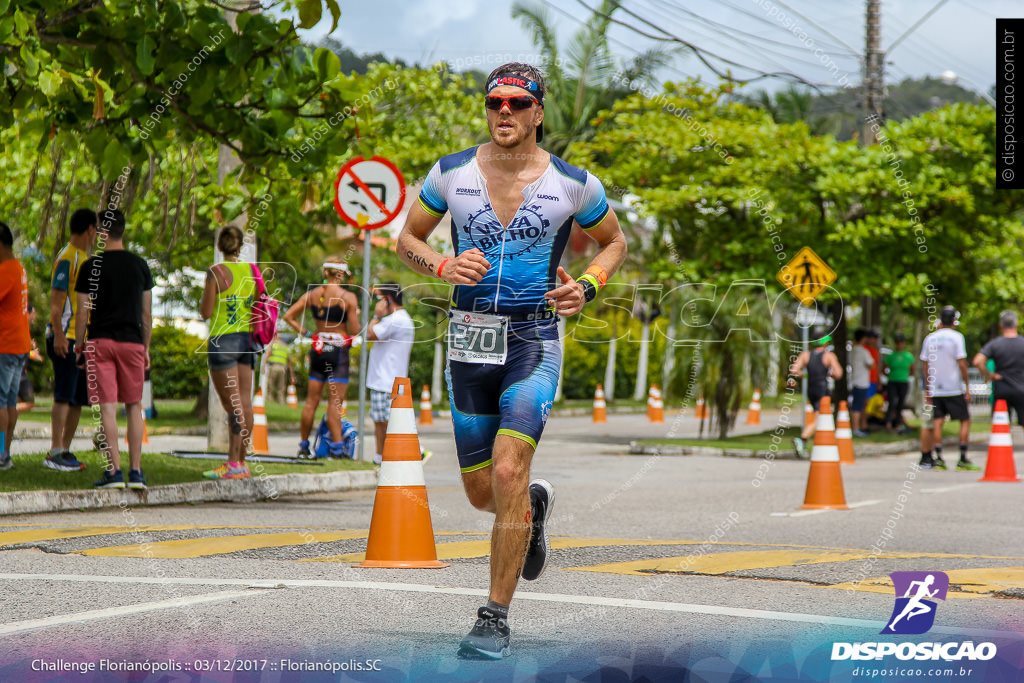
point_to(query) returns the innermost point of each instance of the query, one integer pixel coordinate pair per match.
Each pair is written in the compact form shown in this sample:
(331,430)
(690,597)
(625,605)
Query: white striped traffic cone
(754,411)
(825,479)
(999,466)
(401,533)
(426,414)
(260,445)
(292,398)
(600,408)
(657,411)
(844,436)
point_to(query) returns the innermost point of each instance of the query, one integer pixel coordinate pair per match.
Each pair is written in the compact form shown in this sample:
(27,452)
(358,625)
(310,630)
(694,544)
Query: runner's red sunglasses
(515,102)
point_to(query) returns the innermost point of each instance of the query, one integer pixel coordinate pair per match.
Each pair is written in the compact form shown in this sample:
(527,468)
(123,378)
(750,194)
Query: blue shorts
(68,381)
(10,377)
(512,399)
(859,400)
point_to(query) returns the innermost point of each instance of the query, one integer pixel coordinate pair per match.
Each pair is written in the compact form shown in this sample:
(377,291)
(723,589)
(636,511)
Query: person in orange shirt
(15,340)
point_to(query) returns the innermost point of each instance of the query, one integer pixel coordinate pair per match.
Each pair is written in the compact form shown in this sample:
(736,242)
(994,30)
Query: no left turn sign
(369,193)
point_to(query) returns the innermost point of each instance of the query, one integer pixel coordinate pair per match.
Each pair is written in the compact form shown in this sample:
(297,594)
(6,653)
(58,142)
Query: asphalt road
(673,568)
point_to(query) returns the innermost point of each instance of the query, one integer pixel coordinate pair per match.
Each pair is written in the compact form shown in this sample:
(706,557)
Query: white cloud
(427,16)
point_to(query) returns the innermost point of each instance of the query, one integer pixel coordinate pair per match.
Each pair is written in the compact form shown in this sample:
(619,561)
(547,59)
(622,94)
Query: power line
(916,24)
(730,32)
(824,30)
(700,52)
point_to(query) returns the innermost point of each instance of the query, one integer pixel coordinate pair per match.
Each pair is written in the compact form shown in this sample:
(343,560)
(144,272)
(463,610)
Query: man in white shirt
(861,363)
(392,331)
(944,356)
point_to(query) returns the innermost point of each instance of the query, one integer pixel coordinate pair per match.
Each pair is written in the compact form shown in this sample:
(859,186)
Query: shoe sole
(60,468)
(111,486)
(6,465)
(237,476)
(468,651)
(546,485)
(137,486)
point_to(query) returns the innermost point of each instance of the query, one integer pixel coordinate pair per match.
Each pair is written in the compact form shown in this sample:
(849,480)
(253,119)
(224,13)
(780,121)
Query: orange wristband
(599,273)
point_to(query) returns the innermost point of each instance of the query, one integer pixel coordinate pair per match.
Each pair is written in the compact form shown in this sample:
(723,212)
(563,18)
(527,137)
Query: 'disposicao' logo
(914,611)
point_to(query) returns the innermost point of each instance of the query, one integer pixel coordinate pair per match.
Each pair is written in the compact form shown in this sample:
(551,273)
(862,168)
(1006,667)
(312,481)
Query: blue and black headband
(518,81)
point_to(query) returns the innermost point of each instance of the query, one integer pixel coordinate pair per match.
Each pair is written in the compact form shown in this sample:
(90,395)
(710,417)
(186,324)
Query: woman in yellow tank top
(227,304)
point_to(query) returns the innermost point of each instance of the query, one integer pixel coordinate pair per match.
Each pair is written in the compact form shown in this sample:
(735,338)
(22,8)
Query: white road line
(950,488)
(124,610)
(804,513)
(737,612)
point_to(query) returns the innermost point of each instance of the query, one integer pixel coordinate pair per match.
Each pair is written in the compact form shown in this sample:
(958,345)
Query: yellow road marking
(721,563)
(32,535)
(971,583)
(460,550)
(221,545)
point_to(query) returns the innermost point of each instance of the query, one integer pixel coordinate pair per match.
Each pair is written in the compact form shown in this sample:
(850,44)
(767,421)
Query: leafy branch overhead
(136,77)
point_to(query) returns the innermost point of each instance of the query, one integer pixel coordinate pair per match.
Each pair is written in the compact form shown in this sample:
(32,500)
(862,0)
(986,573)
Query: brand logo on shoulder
(469,192)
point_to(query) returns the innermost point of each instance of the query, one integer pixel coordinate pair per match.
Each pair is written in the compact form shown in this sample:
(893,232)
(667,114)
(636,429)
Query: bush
(178,366)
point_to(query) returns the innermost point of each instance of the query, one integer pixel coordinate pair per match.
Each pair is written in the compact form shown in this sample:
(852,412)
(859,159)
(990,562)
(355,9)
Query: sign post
(368,194)
(806,277)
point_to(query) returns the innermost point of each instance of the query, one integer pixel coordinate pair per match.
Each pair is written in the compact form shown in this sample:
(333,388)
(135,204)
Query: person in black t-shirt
(115,287)
(818,364)
(1008,353)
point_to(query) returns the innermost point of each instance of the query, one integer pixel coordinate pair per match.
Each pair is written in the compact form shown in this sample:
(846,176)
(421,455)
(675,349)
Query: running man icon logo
(913,613)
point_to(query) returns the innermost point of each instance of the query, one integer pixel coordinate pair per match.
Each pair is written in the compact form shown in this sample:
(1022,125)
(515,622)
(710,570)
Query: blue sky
(958,37)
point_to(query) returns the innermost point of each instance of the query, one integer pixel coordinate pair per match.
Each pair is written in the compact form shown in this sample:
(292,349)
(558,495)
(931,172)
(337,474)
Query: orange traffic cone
(292,399)
(754,412)
(999,466)
(259,425)
(600,409)
(657,409)
(650,403)
(426,415)
(145,431)
(844,436)
(809,415)
(825,479)
(701,411)
(401,533)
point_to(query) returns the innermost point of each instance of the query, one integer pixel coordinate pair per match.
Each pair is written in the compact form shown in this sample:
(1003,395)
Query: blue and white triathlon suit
(514,398)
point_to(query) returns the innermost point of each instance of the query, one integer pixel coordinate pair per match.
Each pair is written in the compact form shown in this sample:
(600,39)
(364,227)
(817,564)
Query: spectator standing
(279,369)
(1007,352)
(820,365)
(900,366)
(69,390)
(871,344)
(15,340)
(944,356)
(27,392)
(115,287)
(861,362)
(227,303)
(391,330)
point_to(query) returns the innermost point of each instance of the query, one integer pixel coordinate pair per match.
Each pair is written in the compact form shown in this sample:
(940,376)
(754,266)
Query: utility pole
(874,71)
(874,92)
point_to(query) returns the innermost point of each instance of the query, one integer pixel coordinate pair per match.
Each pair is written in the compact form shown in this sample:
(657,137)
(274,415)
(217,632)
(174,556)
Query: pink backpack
(264,313)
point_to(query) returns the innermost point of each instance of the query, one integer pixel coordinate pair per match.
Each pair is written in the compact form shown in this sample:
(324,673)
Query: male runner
(947,386)
(512,206)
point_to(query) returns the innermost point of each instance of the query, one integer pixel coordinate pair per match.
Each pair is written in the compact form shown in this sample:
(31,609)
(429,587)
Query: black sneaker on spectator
(62,461)
(489,638)
(940,464)
(111,480)
(927,463)
(5,462)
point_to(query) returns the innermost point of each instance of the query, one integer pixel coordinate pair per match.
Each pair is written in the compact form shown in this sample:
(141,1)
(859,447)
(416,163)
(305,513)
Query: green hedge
(178,365)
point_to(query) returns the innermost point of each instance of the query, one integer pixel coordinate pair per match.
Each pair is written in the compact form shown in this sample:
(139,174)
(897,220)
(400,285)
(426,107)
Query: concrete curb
(220,490)
(635,448)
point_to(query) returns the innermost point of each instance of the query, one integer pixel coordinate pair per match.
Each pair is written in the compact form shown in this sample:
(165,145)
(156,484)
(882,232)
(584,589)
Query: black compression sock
(498,609)
(963,451)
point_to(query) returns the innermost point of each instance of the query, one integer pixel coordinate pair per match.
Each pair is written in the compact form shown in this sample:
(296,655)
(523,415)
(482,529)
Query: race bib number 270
(478,338)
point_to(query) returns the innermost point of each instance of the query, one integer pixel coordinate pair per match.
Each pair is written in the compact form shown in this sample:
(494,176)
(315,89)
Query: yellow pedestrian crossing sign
(806,276)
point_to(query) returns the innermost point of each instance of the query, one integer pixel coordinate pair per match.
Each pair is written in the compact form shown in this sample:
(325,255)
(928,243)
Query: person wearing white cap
(336,317)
